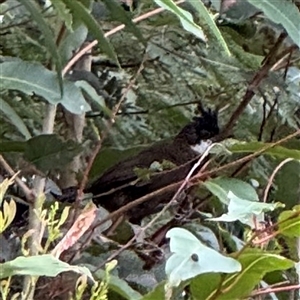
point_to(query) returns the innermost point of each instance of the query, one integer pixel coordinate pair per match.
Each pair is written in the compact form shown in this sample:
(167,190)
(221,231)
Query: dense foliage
(86,83)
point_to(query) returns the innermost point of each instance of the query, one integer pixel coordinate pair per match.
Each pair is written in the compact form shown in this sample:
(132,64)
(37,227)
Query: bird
(120,184)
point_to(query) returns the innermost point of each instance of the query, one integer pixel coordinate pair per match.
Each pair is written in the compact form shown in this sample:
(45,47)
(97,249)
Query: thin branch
(109,33)
(105,133)
(254,83)
(247,158)
(271,179)
(29,194)
(275,290)
(181,187)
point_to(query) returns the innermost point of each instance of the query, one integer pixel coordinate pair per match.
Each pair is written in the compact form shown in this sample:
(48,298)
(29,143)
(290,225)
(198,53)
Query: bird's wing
(123,173)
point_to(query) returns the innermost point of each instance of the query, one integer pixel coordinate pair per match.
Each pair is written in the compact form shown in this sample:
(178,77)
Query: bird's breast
(201,147)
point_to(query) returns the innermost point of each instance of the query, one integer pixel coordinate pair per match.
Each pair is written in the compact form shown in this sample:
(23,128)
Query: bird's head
(201,130)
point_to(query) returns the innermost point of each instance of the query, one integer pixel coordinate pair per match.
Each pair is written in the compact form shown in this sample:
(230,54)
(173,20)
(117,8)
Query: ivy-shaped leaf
(247,212)
(221,186)
(190,258)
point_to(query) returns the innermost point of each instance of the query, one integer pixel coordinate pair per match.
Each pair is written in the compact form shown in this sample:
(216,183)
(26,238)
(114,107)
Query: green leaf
(7,214)
(63,13)
(185,17)
(39,265)
(49,39)
(12,147)
(190,258)
(247,212)
(84,85)
(108,157)
(157,293)
(289,222)
(14,118)
(282,12)
(86,17)
(48,152)
(278,151)
(206,15)
(255,264)
(119,286)
(221,186)
(4,185)
(72,42)
(210,281)
(14,75)
(287,181)
(119,14)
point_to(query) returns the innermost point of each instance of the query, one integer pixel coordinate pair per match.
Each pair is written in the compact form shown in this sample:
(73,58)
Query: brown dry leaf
(80,226)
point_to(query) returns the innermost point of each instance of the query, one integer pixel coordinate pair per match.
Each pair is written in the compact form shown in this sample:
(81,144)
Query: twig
(248,157)
(109,33)
(275,290)
(181,187)
(271,179)
(105,133)
(29,194)
(254,83)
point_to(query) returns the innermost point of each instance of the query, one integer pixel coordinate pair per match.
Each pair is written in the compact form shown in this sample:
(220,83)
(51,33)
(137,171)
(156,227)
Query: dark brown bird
(120,184)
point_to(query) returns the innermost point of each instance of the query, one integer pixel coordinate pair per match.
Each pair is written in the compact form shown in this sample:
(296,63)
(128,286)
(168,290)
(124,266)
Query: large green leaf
(12,146)
(278,151)
(82,13)
(190,258)
(108,157)
(39,265)
(49,38)
(203,285)
(282,12)
(31,78)
(49,152)
(72,41)
(255,264)
(14,118)
(184,16)
(221,186)
(246,211)
(205,14)
(289,222)
(287,182)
